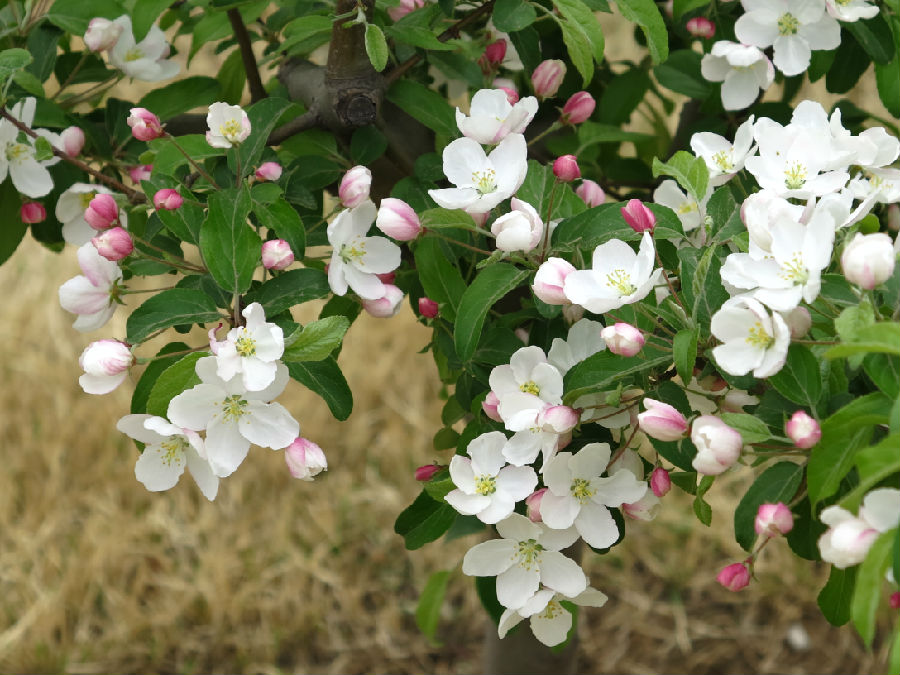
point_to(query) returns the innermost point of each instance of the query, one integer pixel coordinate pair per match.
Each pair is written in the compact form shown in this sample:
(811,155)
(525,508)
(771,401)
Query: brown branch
(452,32)
(254,81)
(307,120)
(134,196)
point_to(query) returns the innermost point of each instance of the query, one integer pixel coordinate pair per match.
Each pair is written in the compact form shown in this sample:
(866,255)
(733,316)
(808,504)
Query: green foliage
(174,307)
(230,247)
(428,611)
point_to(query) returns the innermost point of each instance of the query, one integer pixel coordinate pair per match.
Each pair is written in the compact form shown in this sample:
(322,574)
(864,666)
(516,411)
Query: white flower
(850,10)
(168,450)
(357,259)
(228,125)
(577,495)
(724,159)
(519,230)
(233,417)
(70,209)
(251,350)
(29,176)
(525,386)
(753,339)
(553,424)
(758,212)
(881,185)
(619,276)
(849,538)
(491,118)
(486,486)
(527,555)
(742,70)
(105,364)
(145,60)
(689,212)
(793,27)
(718,445)
(583,340)
(92,294)
(482,181)
(550,621)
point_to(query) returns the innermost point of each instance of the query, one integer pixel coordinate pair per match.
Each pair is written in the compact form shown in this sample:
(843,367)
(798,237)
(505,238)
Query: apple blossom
(71,141)
(404,8)
(700,26)
(578,108)
(398,220)
(428,308)
(489,406)
(167,199)
(268,171)
(662,422)
(758,212)
(533,505)
(305,459)
(549,620)
(734,577)
(356,258)
(102,212)
(354,187)
(145,126)
(482,181)
(718,445)
(387,305)
(566,169)
(591,193)
(70,209)
(849,11)
(724,159)
(105,364)
(742,69)
(546,435)
(28,175)
(276,254)
(638,217)
(92,294)
(689,212)
(526,556)
(426,472)
(868,260)
(547,77)
(623,339)
(583,340)
(660,483)
(519,230)
(168,449)
(753,339)
(798,320)
(228,125)
(492,118)
(485,486)
(140,172)
(550,279)
(114,244)
(849,538)
(32,212)
(803,430)
(145,60)
(251,351)
(525,386)
(102,34)
(773,519)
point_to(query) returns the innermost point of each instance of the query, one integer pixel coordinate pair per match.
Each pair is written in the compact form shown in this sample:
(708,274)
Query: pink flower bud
(405,7)
(428,308)
(644,508)
(894,600)
(549,281)
(354,187)
(113,244)
(773,519)
(269,171)
(639,217)
(533,505)
(803,430)
(167,199)
(305,459)
(384,277)
(799,321)
(558,418)
(660,482)
(508,87)
(591,193)
(102,34)
(718,445)
(139,173)
(105,364)
(145,126)
(547,77)
(566,169)
(489,406)
(578,108)
(701,27)
(72,139)
(397,220)
(33,212)
(868,260)
(385,306)
(623,339)
(662,422)
(734,577)
(425,473)
(277,254)
(102,212)
(495,52)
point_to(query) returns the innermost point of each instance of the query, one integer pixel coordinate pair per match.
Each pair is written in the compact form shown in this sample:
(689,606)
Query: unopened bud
(773,519)
(385,306)
(385,277)
(660,482)
(102,212)
(547,77)
(268,171)
(305,459)
(533,505)
(893,217)
(734,577)
(102,34)
(113,244)
(803,430)
(167,199)
(428,308)
(718,445)
(662,422)
(145,126)
(425,473)
(701,27)
(398,220)
(623,339)
(558,418)
(894,600)
(354,187)
(508,87)
(566,169)
(495,52)
(591,193)
(799,321)
(639,217)
(105,364)
(489,406)
(868,260)
(33,212)
(139,173)
(550,279)
(277,254)
(72,139)
(578,108)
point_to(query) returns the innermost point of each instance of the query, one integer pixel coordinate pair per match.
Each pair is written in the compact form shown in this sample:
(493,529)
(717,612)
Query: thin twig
(307,120)
(254,81)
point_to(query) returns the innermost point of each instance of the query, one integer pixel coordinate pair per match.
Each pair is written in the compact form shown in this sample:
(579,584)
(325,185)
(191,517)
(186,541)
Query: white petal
(517,584)
(467,504)
(518,528)
(194,408)
(133,426)
(881,509)
(203,474)
(517,482)
(559,511)
(596,525)
(590,461)
(486,452)
(500,506)
(562,574)
(226,448)
(158,469)
(489,558)
(268,425)
(552,630)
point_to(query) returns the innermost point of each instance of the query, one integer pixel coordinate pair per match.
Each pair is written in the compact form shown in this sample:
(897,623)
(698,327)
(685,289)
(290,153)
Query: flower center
(133,54)
(245,345)
(687,207)
(355,250)
(528,554)
(581,489)
(794,270)
(722,160)
(485,485)
(172,451)
(552,610)
(795,176)
(485,181)
(86,198)
(788,24)
(230,130)
(530,387)
(758,337)
(17,152)
(620,280)
(233,408)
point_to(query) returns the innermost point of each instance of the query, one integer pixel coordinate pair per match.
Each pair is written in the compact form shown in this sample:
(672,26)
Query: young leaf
(684,349)
(578,14)
(869,582)
(645,13)
(440,278)
(152,372)
(690,172)
(181,96)
(834,599)
(800,380)
(175,379)
(325,379)
(579,47)
(752,429)
(423,521)
(230,247)
(263,115)
(282,219)
(316,340)
(376,47)
(778,483)
(428,611)
(174,307)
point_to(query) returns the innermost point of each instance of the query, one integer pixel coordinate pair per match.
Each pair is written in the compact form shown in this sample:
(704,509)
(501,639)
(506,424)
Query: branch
(257,92)
(307,120)
(134,196)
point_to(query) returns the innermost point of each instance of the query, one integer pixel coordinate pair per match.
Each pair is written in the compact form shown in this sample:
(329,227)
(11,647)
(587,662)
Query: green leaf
(703,510)
(293,287)
(264,116)
(168,157)
(887,79)
(423,521)
(874,36)
(645,13)
(591,133)
(174,307)
(175,379)
(491,284)
(778,483)
(800,380)
(439,219)
(440,278)
(884,371)
(282,219)
(690,172)
(232,77)
(416,29)
(425,105)
(874,464)
(181,96)
(869,583)
(305,33)
(230,247)
(144,14)
(752,429)
(73,16)
(316,340)
(13,230)
(834,599)
(376,47)
(184,222)
(853,319)
(579,47)
(707,290)
(682,7)
(512,15)
(880,337)
(428,611)
(445,439)
(11,61)
(684,349)
(152,372)
(325,379)
(681,74)
(367,144)
(850,62)
(538,187)
(580,15)
(28,82)
(603,371)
